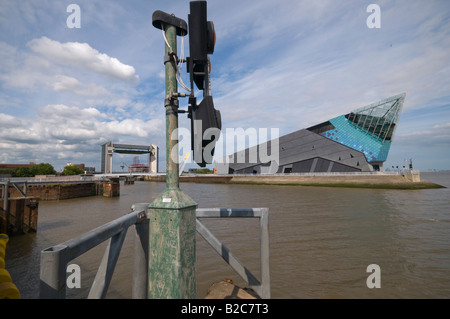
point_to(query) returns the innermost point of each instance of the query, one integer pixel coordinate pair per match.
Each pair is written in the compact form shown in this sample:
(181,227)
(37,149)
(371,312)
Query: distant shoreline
(375,181)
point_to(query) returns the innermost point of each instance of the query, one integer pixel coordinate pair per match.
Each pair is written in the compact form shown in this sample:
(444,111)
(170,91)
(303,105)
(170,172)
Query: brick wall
(20,217)
(58,191)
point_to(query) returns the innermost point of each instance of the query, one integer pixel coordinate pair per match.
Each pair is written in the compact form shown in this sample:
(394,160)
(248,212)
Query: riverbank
(59,191)
(67,189)
(362,180)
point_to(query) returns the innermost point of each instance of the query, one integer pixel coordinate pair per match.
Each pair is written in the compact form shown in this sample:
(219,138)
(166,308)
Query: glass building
(369,129)
(357,141)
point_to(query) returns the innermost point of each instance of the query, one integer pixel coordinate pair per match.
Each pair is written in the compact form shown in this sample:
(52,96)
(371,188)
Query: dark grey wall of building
(299,152)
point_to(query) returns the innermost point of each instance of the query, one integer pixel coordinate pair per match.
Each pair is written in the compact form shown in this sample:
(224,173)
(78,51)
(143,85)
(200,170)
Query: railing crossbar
(228,212)
(262,288)
(105,271)
(79,245)
(228,256)
(54,259)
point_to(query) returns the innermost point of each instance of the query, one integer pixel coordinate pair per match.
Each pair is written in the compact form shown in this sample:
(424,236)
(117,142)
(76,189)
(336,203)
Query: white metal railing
(54,260)
(261,287)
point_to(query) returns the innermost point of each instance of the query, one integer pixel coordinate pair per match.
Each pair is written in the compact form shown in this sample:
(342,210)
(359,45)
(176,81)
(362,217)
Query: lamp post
(172,215)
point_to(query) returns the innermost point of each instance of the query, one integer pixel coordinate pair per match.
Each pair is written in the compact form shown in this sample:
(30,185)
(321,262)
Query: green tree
(72,170)
(39,169)
(22,172)
(7,172)
(43,169)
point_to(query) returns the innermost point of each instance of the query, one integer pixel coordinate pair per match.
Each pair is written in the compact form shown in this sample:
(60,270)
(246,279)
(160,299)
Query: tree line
(40,169)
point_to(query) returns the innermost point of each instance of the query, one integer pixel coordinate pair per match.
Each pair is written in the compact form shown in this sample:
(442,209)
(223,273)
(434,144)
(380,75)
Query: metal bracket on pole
(171,101)
(170,57)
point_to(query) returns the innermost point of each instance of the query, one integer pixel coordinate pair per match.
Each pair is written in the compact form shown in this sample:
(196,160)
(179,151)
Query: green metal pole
(171,106)
(172,220)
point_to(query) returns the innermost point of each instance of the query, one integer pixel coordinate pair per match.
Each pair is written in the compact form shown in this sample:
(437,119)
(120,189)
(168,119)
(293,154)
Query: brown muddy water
(321,239)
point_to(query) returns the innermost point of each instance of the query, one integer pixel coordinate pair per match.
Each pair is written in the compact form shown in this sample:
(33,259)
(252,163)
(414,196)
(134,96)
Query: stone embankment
(362,180)
(19,203)
(61,191)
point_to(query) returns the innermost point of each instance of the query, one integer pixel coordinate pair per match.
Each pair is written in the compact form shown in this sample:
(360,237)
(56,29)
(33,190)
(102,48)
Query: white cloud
(433,137)
(83,55)
(55,113)
(69,84)
(69,133)
(7,121)
(321,61)
(289,65)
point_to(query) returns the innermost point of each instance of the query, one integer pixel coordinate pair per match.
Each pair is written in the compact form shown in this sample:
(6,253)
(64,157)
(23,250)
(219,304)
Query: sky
(291,64)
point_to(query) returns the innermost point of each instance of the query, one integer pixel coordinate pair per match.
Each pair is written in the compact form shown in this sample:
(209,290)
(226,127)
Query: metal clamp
(171,101)
(170,57)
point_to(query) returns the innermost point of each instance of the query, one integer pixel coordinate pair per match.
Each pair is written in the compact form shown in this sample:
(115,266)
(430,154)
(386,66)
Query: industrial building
(14,166)
(358,141)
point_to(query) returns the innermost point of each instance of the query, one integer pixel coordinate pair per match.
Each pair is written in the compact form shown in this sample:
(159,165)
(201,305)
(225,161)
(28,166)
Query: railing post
(53,273)
(5,197)
(265,260)
(140,264)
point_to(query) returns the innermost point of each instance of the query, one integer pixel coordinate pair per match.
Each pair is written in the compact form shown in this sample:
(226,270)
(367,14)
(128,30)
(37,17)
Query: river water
(322,239)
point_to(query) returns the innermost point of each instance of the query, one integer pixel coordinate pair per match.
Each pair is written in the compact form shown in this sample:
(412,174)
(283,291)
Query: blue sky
(277,64)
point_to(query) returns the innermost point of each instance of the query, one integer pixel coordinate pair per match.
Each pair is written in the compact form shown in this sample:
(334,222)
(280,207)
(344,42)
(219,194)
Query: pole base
(172,246)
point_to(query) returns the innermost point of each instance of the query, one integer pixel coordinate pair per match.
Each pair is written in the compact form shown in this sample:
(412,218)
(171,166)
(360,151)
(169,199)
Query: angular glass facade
(368,129)
(358,141)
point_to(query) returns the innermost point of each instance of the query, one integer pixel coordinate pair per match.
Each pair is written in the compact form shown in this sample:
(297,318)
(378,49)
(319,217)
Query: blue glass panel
(348,134)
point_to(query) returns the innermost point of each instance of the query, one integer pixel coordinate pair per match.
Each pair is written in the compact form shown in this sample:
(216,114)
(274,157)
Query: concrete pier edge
(377,181)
